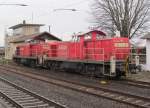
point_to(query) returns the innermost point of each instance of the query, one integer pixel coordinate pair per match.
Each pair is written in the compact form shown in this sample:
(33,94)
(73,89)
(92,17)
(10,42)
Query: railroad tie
(28,100)
(128,99)
(147,104)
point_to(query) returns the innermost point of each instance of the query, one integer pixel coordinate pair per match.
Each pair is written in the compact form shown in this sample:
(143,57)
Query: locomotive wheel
(89,70)
(17,61)
(80,68)
(98,70)
(53,66)
(32,64)
(48,65)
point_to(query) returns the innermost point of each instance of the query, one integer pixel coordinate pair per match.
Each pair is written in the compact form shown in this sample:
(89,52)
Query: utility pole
(49,28)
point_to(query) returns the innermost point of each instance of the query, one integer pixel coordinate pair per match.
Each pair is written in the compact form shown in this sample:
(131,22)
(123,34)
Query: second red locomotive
(92,53)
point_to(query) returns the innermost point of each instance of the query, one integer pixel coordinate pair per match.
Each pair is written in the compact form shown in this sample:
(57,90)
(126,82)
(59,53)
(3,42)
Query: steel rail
(141,84)
(136,83)
(22,98)
(137,101)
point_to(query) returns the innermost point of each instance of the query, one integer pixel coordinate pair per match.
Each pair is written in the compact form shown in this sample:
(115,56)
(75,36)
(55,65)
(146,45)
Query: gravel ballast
(70,98)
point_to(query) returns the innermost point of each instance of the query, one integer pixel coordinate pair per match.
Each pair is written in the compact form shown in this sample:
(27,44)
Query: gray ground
(141,76)
(70,98)
(3,104)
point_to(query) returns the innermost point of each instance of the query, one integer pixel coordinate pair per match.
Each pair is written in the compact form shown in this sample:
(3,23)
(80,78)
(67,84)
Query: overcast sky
(63,23)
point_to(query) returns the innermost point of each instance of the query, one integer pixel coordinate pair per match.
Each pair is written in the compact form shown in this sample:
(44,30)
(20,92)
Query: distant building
(2,52)
(147,37)
(23,33)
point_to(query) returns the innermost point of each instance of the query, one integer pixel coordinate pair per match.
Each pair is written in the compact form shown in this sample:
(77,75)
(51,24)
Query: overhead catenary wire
(75,4)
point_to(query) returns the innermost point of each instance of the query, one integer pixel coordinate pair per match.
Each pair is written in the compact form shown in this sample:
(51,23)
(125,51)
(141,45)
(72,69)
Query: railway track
(133,100)
(136,83)
(129,82)
(18,97)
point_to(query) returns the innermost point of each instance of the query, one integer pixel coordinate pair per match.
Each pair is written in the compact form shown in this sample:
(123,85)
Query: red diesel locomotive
(92,53)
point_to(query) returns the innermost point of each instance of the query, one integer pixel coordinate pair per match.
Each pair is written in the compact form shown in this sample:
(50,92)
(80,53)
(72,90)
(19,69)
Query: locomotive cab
(92,36)
(109,53)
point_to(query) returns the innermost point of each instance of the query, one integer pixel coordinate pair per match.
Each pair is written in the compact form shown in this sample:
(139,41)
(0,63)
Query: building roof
(24,24)
(147,36)
(34,36)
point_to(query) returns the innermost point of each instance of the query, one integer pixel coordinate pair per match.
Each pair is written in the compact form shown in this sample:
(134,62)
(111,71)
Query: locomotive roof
(34,36)
(96,31)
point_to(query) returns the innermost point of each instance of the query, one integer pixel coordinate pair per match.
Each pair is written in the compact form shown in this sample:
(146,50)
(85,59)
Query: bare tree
(130,17)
